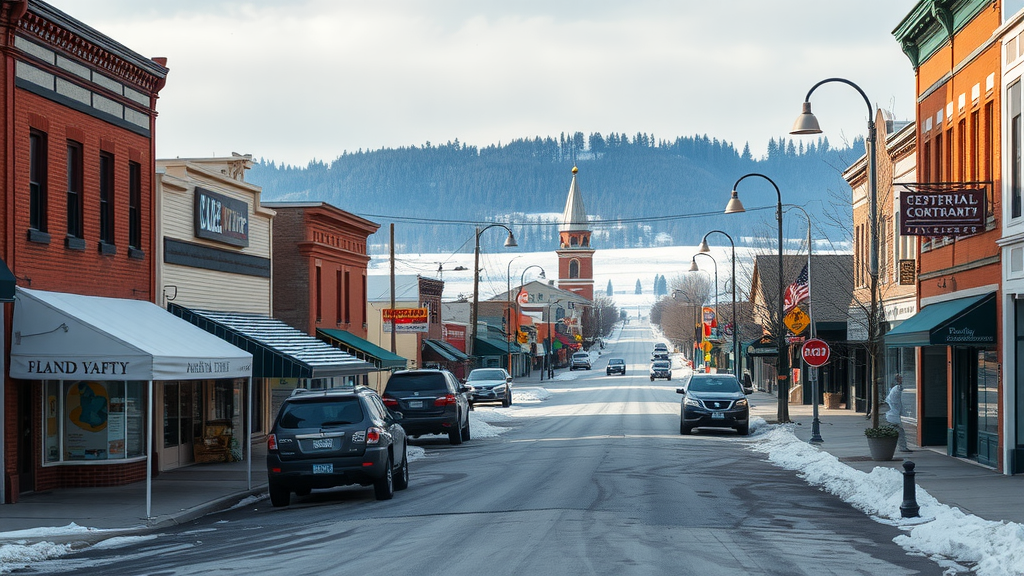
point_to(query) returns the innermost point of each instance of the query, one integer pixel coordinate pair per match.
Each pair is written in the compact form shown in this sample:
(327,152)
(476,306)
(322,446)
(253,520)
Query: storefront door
(933,421)
(180,404)
(965,402)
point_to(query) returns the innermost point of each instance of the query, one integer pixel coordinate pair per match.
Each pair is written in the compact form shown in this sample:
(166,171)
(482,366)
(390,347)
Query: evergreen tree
(608,290)
(639,289)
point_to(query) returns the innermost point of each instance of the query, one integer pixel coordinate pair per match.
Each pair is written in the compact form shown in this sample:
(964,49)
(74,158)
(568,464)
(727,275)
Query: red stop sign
(815,352)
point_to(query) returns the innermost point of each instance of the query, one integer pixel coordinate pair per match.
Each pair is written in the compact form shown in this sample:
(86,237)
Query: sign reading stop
(815,352)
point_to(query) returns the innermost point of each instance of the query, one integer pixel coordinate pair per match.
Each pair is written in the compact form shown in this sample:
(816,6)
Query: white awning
(59,336)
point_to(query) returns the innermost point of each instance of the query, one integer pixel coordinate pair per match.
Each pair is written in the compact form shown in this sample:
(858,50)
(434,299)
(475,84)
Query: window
(94,420)
(574,268)
(947,173)
(961,149)
(106,198)
(319,295)
(135,205)
(37,181)
(74,189)
(340,297)
(975,146)
(925,161)
(1015,150)
(937,173)
(348,309)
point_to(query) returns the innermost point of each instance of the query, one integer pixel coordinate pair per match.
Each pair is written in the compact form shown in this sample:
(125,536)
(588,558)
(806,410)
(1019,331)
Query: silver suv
(580,360)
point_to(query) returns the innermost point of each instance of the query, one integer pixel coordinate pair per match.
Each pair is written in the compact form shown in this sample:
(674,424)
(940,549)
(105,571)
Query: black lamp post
(509,242)
(704,249)
(806,123)
(735,206)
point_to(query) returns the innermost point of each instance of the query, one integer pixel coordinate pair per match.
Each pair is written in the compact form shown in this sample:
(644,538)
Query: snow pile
(942,533)
(18,556)
(417,452)
(481,429)
(530,394)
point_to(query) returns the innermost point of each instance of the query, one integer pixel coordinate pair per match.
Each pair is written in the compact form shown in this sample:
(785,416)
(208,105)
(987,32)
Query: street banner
(404,319)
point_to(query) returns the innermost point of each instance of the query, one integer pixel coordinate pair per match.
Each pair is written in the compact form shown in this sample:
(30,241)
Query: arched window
(573,241)
(574,268)
(586,241)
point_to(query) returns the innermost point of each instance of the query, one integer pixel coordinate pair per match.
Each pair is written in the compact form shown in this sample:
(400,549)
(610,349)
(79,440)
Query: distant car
(661,347)
(431,402)
(335,437)
(490,385)
(580,360)
(714,400)
(661,369)
(615,366)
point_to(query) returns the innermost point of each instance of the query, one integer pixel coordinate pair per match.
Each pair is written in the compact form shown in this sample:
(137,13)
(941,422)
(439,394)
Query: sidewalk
(967,485)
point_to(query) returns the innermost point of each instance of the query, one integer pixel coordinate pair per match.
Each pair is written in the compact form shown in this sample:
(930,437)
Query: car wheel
(652,378)
(279,495)
(402,480)
(507,400)
(455,433)
(384,487)
(684,429)
(465,431)
(509,396)
(744,430)
(670,377)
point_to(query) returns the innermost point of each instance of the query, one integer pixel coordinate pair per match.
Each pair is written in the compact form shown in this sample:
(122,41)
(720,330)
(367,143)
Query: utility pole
(391,242)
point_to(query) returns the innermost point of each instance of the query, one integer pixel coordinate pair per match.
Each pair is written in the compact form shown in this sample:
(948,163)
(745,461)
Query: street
(595,479)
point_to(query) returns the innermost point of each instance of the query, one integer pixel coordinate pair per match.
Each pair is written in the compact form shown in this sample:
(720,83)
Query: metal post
(476,295)
(909,507)
(812,372)
(149,451)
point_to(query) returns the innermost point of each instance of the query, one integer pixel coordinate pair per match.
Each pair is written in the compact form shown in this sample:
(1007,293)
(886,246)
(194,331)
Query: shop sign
(908,272)
(220,218)
(948,212)
(405,319)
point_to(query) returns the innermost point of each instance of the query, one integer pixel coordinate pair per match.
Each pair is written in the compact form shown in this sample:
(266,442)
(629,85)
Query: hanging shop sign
(404,319)
(943,211)
(220,218)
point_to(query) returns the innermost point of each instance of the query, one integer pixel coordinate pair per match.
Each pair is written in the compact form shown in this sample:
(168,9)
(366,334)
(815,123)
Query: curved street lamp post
(806,123)
(704,249)
(733,207)
(509,243)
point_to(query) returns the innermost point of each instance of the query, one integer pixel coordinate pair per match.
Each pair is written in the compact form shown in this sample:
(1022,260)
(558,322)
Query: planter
(882,449)
(833,400)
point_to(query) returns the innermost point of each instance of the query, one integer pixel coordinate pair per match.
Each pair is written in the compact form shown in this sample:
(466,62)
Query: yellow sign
(705,346)
(524,337)
(797,321)
(579,338)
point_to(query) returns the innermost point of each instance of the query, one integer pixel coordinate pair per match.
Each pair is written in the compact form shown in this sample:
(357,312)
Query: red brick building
(79,114)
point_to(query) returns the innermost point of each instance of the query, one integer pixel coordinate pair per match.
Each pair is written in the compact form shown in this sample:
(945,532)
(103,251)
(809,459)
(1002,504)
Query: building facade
(956,56)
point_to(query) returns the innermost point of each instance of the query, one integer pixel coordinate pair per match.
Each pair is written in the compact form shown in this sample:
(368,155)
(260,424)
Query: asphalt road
(594,480)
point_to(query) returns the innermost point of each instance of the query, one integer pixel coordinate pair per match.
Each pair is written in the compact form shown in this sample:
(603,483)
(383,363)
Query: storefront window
(902,361)
(94,420)
(988,392)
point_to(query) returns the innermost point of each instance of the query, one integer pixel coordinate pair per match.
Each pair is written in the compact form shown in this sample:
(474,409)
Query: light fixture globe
(806,123)
(693,265)
(734,204)
(510,242)
(704,248)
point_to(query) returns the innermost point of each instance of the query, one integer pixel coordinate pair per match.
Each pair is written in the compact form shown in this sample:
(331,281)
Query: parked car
(580,360)
(431,401)
(490,385)
(661,347)
(661,369)
(714,400)
(615,366)
(335,437)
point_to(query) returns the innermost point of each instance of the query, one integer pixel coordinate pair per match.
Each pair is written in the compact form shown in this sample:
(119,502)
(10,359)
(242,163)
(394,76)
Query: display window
(89,421)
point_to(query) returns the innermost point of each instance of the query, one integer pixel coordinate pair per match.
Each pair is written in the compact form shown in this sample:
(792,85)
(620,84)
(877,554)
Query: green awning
(494,347)
(444,350)
(7,282)
(362,349)
(962,322)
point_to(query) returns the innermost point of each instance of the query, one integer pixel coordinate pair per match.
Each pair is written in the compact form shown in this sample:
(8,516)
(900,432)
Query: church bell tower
(575,256)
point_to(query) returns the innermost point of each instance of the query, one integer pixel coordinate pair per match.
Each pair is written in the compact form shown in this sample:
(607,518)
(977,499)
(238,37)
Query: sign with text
(908,272)
(220,218)
(815,352)
(944,211)
(797,321)
(404,319)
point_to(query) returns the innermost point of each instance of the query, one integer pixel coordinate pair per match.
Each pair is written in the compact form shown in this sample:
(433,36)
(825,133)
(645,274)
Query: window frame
(37,181)
(106,197)
(75,194)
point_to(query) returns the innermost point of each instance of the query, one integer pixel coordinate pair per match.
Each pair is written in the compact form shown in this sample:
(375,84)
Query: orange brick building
(956,331)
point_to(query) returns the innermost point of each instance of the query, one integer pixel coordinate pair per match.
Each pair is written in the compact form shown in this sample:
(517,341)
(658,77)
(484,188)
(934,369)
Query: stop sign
(815,352)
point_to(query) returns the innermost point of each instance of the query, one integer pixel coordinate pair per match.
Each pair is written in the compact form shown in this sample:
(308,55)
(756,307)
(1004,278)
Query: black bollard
(909,507)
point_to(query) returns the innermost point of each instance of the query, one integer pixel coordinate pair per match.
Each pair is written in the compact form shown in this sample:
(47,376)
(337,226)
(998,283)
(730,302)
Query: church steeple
(575,256)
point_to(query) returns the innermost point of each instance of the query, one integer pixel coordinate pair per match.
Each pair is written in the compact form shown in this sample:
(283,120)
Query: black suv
(432,402)
(335,437)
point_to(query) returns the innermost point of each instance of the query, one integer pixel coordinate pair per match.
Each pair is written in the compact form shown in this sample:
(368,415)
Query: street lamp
(694,268)
(551,342)
(812,371)
(733,207)
(509,242)
(704,249)
(508,296)
(508,313)
(806,123)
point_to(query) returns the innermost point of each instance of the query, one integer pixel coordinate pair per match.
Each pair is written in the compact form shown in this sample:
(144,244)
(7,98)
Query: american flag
(796,292)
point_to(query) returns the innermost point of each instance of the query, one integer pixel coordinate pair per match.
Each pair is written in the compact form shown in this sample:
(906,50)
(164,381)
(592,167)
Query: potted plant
(882,441)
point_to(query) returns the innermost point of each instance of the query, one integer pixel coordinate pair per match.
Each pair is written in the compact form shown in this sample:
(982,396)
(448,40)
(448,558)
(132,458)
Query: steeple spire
(574,218)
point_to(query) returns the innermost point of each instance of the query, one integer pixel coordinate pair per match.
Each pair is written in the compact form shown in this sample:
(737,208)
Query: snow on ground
(17,556)
(945,534)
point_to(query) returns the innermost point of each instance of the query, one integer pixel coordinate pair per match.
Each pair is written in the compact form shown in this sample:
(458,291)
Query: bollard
(909,507)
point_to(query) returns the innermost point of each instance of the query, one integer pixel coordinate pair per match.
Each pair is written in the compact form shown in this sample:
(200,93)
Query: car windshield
(487,375)
(616,361)
(714,385)
(581,355)
(318,414)
(415,382)
(661,364)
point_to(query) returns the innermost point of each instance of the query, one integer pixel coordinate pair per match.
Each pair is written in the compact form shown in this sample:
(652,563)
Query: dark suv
(431,401)
(335,437)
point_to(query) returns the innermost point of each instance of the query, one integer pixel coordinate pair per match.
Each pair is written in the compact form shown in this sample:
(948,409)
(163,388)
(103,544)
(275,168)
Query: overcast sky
(303,79)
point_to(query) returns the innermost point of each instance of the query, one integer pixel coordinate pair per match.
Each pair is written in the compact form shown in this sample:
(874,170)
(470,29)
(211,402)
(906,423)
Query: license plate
(325,443)
(323,468)
(718,415)
(415,403)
